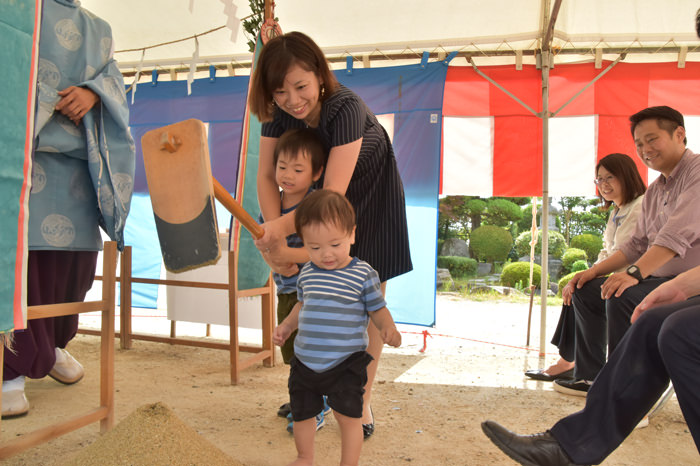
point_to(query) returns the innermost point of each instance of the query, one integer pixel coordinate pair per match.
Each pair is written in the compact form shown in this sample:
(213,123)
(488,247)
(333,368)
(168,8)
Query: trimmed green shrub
(557,244)
(520,272)
(475,206)
(572,255)
(458,266)
(501,212)
(592,244)
(491,243)
(579,265)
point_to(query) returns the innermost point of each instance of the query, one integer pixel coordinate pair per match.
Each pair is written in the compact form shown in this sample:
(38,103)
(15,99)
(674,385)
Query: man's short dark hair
(667,118)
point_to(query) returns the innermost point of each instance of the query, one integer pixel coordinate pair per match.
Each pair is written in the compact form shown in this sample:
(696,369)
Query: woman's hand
(567,292)
(576,282)
(279,265)
(273,237)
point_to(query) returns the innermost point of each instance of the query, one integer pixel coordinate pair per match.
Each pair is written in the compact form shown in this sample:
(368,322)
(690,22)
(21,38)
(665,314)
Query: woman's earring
(323,90)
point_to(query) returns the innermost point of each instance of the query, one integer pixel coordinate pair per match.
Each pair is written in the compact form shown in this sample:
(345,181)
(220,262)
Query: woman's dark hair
(623,168)
(277,56)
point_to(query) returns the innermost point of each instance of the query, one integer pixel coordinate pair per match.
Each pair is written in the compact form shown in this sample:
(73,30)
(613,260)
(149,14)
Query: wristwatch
(633,271)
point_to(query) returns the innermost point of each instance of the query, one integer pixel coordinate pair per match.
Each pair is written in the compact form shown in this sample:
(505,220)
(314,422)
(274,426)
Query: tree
(448,215)
(593,221)
(454,218)
(582,215)
(501,212)
(460,215)
(525,223)
(569,207)
(475,208)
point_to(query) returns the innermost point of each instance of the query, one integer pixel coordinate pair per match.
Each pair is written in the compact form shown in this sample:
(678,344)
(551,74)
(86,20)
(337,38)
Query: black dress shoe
(528,450)
(540,374)
(576,387)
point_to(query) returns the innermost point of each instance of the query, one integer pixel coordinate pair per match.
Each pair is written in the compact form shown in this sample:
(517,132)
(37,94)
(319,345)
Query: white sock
(14,384)
(60,357)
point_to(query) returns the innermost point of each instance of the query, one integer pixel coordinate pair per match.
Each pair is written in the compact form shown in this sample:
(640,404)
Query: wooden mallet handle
(236,210)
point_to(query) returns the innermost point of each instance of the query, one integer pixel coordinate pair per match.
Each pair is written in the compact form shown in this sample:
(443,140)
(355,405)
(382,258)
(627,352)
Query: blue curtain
(413,94)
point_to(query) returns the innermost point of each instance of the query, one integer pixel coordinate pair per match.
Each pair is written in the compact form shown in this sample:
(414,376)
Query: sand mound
(152,436)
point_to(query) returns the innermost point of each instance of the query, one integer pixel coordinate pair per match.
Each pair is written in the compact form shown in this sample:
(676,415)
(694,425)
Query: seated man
(665,243)
(662,344)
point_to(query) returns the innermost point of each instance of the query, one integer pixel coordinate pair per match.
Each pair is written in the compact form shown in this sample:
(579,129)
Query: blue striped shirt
(334,315)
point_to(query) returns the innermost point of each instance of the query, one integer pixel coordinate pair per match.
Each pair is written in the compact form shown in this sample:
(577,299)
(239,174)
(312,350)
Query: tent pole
(549,19)
(544,221)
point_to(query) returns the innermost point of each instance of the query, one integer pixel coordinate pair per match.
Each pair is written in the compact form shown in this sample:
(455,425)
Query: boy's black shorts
(343,385)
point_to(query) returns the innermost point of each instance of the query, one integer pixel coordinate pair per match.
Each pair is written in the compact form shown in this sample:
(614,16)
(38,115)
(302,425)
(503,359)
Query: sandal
(284,410)
(368,429)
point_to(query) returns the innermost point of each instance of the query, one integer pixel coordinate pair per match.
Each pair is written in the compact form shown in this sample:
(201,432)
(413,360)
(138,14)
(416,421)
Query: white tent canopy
(495,29)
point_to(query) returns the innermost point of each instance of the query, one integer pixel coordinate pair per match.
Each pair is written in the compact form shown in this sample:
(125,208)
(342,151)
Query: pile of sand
(152,436)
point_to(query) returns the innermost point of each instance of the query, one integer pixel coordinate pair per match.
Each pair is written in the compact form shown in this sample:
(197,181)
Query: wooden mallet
(182,190)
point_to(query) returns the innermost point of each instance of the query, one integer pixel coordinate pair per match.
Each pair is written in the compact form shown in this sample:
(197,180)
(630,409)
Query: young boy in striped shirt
(338,294)
(298,158)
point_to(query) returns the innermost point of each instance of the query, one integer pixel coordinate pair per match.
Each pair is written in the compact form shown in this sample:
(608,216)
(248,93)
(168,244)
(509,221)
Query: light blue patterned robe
(82,176)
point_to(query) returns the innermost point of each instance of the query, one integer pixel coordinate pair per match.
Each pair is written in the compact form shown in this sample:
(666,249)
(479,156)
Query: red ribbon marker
(425,340)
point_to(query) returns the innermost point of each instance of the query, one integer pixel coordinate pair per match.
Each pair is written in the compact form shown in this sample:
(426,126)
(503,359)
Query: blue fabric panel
(16,37)
(224,147)
(140,234)
(221,102)
(137,132)
(414,95)
(254,272)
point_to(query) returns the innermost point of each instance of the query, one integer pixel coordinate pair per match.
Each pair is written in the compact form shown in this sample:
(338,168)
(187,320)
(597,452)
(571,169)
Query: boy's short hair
(667,118)
(295,141)
(327,207)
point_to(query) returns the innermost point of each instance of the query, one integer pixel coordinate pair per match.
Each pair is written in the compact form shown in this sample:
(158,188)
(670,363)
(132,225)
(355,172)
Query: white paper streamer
(138,75)
(232,22)
(193,66)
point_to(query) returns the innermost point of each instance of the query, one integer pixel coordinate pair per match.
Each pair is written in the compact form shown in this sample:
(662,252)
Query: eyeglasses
(606,180)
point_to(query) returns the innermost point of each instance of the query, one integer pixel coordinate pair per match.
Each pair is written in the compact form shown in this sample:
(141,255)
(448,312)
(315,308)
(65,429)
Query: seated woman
(618,183)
